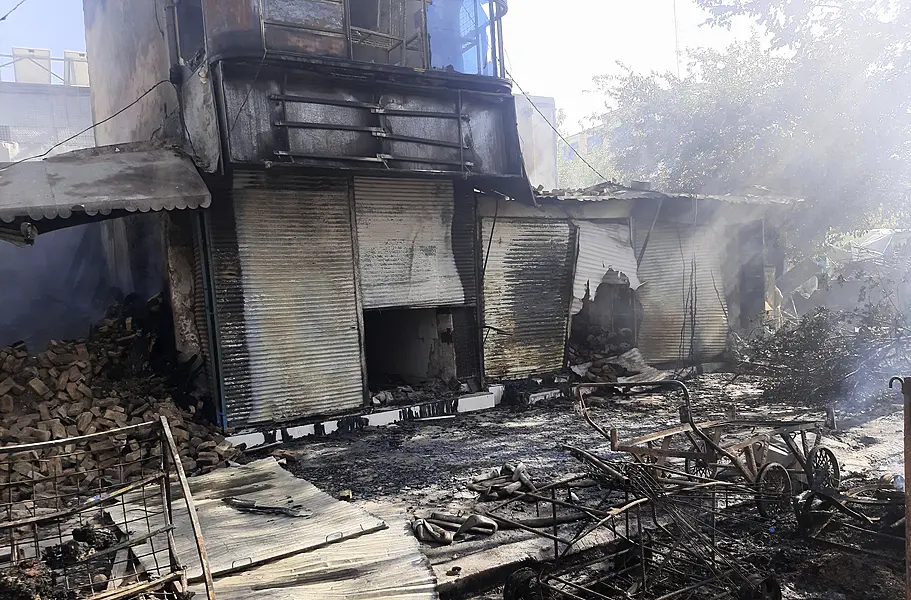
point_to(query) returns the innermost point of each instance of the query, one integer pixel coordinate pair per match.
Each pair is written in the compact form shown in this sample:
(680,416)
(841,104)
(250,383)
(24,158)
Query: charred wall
(129,65)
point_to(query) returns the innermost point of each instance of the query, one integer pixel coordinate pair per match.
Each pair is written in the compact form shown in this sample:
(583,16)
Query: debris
(426,531)
(251,506)
(503,482)
(346,495)
(82,387)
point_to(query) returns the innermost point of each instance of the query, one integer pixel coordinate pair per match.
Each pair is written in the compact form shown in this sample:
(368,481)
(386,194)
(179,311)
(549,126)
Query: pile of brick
(88,386)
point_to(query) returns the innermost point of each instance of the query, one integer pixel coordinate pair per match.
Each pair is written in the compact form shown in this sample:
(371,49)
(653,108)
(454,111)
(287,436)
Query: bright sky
(56,25)
(553,47)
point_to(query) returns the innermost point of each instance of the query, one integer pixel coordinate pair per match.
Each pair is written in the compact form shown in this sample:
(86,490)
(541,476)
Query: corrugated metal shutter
(527,287)
(666,330)
(414,249)
(285,301)
(602,246)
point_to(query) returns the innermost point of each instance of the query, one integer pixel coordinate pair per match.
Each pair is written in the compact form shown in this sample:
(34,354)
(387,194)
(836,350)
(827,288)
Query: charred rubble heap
(105,382)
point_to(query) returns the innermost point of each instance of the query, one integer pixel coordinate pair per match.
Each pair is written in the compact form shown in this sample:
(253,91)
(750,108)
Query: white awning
(139,177)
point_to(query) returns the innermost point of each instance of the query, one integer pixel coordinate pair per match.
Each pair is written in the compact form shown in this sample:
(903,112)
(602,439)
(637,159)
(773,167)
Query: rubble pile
(597,348)
(83,387)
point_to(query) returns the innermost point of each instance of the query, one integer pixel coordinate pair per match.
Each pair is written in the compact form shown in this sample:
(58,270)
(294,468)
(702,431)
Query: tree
(823,114)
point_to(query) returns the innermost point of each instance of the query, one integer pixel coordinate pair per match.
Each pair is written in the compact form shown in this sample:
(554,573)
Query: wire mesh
(69,526)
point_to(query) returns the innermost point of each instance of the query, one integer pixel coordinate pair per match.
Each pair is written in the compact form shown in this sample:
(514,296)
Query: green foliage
(823,115)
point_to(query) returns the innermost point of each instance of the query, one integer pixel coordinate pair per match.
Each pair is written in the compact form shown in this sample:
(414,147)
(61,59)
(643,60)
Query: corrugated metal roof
(237,540)
(601,247)
(412,251)
(130,177)
(609,192)
(285,302)
(386,564)
(667,279)
(527,287)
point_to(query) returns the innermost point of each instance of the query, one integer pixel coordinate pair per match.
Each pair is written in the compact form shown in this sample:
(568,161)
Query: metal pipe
(906,392)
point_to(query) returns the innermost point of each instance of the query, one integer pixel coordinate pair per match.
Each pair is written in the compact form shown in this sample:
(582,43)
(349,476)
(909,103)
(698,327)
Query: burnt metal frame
(645,517)
(747,456)
(380,131)
(69,505)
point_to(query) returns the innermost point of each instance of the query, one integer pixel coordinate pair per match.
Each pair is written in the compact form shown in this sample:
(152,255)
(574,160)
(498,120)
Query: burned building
(363,220)
(344,144)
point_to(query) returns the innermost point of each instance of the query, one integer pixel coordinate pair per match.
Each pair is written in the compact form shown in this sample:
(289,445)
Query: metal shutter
(286,311)
(415,249)
(665,333)
(527,288)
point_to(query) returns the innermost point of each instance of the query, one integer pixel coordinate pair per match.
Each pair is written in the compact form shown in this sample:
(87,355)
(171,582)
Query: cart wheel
(523,585)
(700,468)
(773,490)
(825,469)
(757,587)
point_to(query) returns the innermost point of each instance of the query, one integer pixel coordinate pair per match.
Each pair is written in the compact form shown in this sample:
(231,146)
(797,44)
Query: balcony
(461,36)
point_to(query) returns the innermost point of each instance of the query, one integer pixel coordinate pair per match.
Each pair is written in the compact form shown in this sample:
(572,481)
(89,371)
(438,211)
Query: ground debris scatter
(30,580)
(461,466)
(107,381)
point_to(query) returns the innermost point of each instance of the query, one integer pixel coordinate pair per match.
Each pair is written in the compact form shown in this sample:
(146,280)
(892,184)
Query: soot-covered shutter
(286,310)
(527,288)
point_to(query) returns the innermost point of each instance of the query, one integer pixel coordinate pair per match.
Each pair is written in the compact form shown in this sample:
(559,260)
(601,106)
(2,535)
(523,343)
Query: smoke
(55,289)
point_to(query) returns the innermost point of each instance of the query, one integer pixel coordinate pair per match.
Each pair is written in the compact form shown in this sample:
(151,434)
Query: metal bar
(420,113)
(328,126)
(128,543)
(416,140)
(191,509)
(906,392)
(76,440)
(335,33)
(494,48)
(500,45)
(518,525)
(649,233)
(323,101)
(134,591)
(377,159)
(84,506)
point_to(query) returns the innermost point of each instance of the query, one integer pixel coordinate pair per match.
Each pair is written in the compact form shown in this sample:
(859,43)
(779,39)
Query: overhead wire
(12,10)
(552,126)
(89,128)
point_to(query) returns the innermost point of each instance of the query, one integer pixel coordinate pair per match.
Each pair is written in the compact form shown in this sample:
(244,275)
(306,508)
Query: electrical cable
(89,128)
(552,126)
(247,97)
(12,10)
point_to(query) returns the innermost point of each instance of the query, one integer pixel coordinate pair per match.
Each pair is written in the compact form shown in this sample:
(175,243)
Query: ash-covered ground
(424,465)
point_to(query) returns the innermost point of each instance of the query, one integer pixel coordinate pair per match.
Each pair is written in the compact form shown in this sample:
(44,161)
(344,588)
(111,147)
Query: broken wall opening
(415,354)
(605,326)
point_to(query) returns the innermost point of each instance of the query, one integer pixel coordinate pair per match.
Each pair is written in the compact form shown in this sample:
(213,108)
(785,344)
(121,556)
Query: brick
(73,391)
(206,446)
(64,360)
(85,390)
(225,449)
(35,434)
(6,404)
(7,385)
(62,380)
(57,429)
(44,411)
(84,421)
(208,458)
(82,352)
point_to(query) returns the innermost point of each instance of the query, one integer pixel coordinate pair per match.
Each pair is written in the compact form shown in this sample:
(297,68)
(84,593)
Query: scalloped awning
(127,177)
